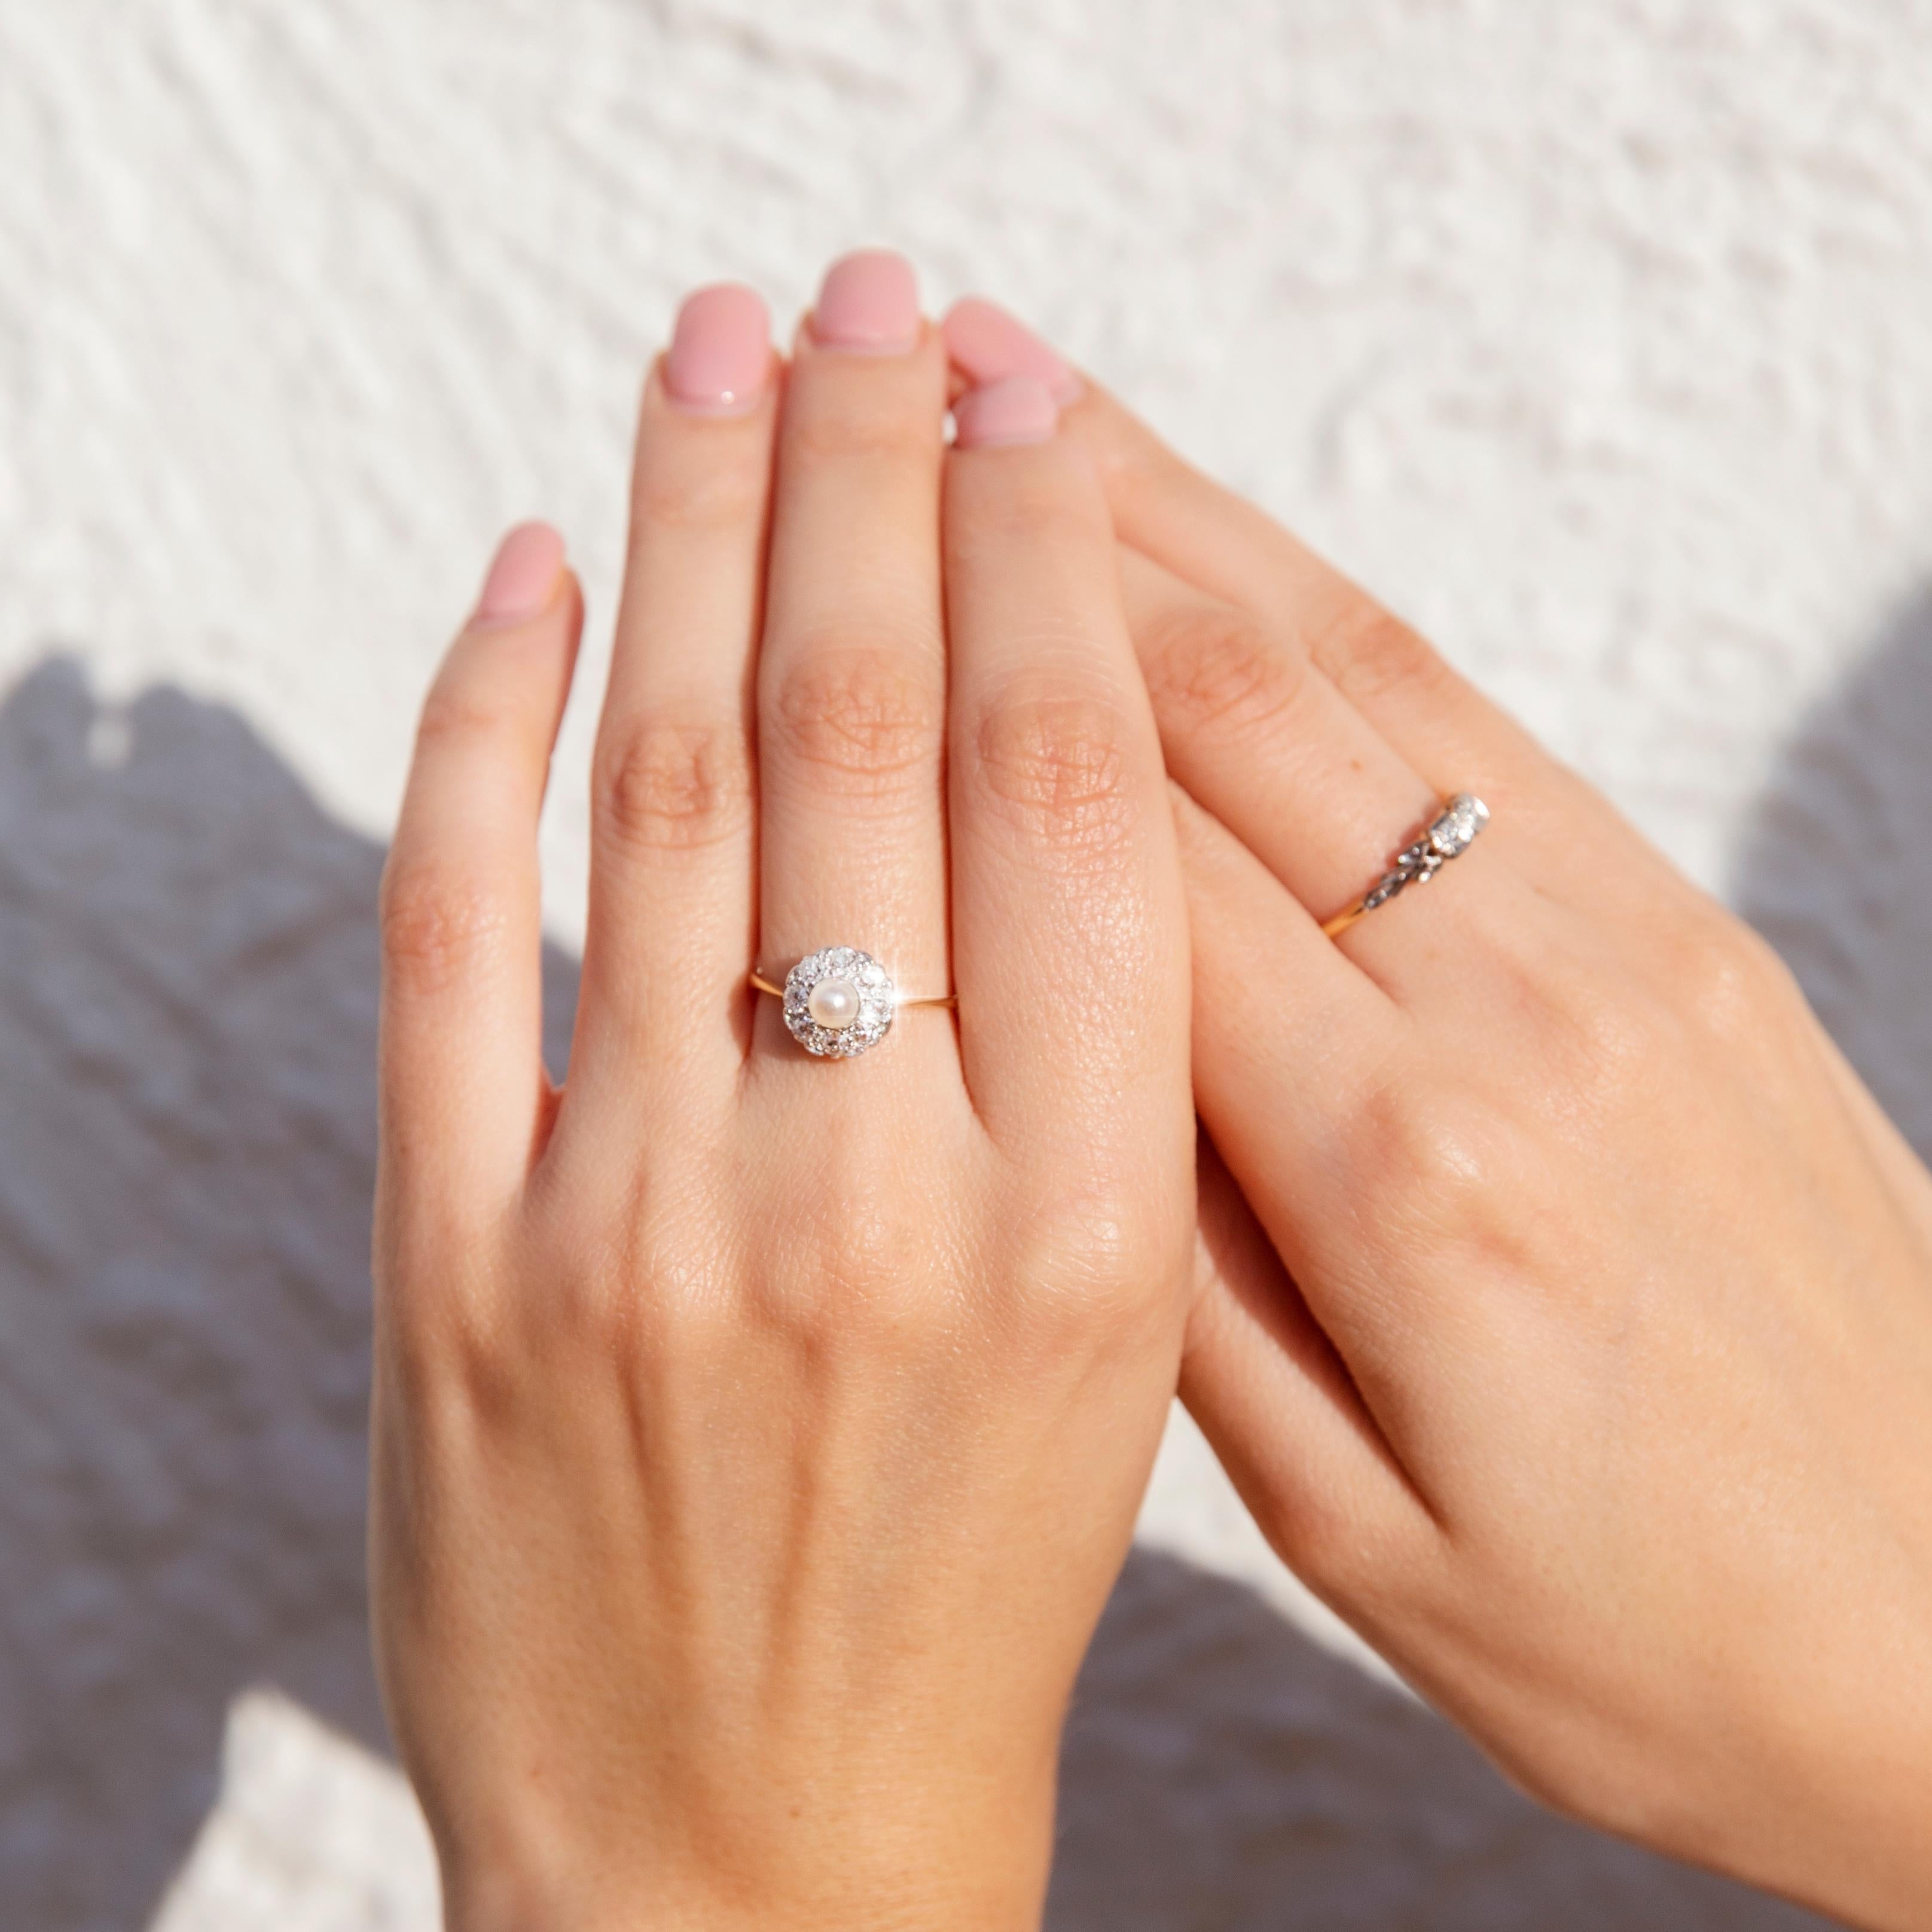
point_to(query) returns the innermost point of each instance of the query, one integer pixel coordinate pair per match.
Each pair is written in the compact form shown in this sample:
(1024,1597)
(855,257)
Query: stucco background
(1593,335)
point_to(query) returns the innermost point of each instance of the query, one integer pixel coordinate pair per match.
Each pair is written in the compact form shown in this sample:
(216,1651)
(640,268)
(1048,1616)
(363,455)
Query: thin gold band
(764,986)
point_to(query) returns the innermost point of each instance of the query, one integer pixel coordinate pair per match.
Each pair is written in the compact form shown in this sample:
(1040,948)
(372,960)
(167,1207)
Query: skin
(1566,1302)
(756,1438)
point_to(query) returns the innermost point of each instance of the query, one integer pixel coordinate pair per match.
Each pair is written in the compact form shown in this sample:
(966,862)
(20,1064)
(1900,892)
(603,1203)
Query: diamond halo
(878,996)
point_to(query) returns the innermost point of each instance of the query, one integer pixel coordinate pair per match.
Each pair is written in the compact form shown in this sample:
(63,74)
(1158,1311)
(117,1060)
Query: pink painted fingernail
(720,351)
(987,343)
(522,575)
(1019,409)
(868,302)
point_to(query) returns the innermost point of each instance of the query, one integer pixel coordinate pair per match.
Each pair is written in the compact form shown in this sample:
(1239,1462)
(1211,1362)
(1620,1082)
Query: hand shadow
(187,1029)
(188,988)
(1837,870)
(1224,1773)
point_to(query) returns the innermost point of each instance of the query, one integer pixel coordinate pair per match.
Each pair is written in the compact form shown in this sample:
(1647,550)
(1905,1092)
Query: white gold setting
(1447,835)
(839,1002)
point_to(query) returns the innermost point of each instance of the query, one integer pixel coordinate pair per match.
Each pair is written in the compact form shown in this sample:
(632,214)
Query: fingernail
(988,344)
(522,575)
(868,302)
(1018,410)
(720,351)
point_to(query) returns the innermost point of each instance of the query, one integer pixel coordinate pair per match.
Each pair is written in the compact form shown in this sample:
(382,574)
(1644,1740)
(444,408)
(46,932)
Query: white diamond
(1457,824)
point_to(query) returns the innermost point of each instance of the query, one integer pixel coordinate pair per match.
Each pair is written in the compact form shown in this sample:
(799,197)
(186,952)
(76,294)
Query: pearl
(833,1003)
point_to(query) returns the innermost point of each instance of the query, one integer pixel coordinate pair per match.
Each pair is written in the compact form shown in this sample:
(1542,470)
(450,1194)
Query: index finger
(1427,711)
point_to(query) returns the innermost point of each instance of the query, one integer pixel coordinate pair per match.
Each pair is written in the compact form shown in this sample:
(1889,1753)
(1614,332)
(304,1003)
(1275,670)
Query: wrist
(880,1876)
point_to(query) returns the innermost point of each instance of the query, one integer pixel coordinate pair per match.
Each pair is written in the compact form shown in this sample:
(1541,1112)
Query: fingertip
(720,360)
(1013,412)
(989,345)
(524,575)
(868,304)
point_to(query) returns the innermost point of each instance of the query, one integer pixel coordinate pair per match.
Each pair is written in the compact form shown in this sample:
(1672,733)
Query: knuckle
(1095,1271)
(1368,652)
(1060,766)
(862,718)
(440,1364)
(1606,1042)
(1430,1155)
(1728,979)
(851,1284)
(1215,667)
(671,784)
(438,1318)
(453,714)
(439,920)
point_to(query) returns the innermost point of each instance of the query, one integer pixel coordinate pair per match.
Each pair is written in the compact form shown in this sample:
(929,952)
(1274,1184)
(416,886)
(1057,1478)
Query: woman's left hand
(757,1435)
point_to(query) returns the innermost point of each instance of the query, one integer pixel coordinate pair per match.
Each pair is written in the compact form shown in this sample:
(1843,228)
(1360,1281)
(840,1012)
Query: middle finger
(852,677)
(1268,745)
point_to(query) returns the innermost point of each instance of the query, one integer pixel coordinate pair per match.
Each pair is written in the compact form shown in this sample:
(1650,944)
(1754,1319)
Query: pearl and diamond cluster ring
(839,1001)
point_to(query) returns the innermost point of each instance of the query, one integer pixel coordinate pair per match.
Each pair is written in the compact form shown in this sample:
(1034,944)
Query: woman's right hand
(1573,1338)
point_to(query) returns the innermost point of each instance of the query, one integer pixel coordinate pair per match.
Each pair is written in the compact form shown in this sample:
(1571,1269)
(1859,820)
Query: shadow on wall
(1224,1774)
(188,975)
(1837,870)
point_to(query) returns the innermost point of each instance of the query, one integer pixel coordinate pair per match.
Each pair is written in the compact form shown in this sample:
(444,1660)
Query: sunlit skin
(757,1436)
(1567,1320)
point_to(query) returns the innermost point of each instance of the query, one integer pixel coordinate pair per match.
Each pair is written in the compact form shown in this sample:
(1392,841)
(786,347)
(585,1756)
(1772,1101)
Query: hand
(1582,1356)
(757,1436)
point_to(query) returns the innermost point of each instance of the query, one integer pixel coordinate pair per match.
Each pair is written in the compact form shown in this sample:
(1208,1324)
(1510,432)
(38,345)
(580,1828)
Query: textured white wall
(1593,335)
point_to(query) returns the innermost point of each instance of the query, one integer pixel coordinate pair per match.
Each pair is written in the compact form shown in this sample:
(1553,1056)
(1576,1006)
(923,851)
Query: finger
(1300,1076)
(462,1085)
(1276,1401)
(852,676)
(1453,735)
(1455,738)
(1263,740)
(671,913)
(1292,1045)
(1264,970)
(1070,945)
(987,345)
